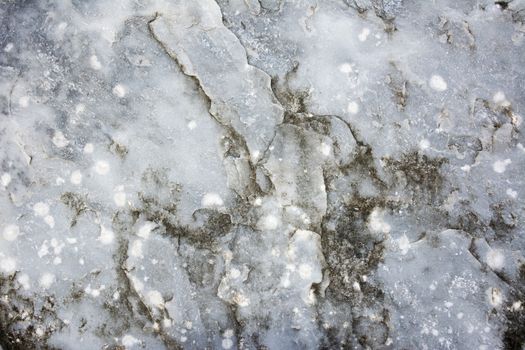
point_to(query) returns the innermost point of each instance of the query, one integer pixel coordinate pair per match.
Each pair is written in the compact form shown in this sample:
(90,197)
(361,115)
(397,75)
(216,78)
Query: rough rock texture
(262,174)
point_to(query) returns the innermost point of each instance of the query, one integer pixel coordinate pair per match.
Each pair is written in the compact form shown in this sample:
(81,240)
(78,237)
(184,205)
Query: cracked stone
(262,174)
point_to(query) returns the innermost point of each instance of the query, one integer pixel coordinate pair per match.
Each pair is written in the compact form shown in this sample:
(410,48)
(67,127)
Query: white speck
(511,193)
(119,90)
(102,167)
(346,68)
(228,333)
(516,119)
(62,26)
(495,259)
(310,298)
(500,99)
(120,199)
(404,244)
(46,280)
(227,343)
(41,209)
(211,200)
(460,315)
(57,246)
(424,144)
(192,125)
(500,166)
(128,341)
(235,273)
(465,168)
(353,107)
(95,293)
(356,286)
(39,332)
(364,34)
(155,298)
(495,296)
(23,279)
(448,304)
(5,179)
(80,108)
(241,300)
(376,222)
(516,306)
(59,139)
(136,249)
(325,149)
(8,47)
(438,83)
(257,202)
(269,222)
(76,177)
(95,63)
(8,265)
(44,250)
(305,217)
(11,232)
(106,236)
(285,281)
(23,101)
(89,148)
(145,230)
(50,221)
(57,260)
(305,271)
(435,332)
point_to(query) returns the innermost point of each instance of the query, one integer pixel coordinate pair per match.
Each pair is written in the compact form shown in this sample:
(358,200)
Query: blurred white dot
(353,107)
(76,177)
(102,167)
(119,90)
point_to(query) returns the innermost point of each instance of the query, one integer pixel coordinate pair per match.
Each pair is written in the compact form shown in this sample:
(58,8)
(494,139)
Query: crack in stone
(129,292)
(236,135)
(11,91)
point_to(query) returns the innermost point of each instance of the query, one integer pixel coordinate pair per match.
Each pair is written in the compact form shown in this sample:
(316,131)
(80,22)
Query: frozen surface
(262,174)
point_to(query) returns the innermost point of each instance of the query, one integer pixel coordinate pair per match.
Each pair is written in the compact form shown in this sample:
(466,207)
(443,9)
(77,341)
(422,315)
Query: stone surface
(262,174)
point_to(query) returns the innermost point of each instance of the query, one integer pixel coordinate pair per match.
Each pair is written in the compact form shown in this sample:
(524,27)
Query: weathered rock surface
(262,174)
